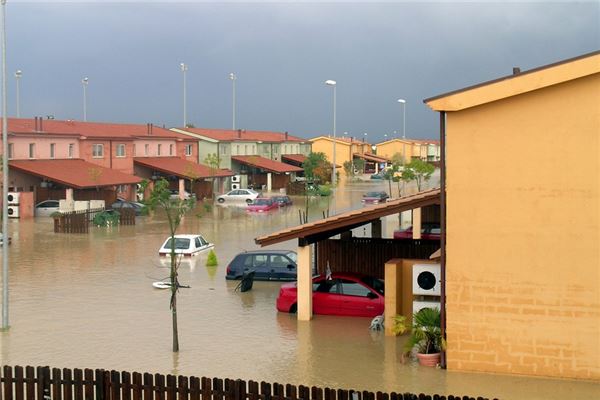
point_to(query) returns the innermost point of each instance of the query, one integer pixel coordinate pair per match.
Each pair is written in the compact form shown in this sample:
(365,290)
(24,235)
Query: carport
(265,172)
(373,251)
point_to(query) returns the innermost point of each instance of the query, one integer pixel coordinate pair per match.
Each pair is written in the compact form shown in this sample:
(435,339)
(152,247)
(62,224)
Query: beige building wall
(523,233)
(394,146)
(343,151)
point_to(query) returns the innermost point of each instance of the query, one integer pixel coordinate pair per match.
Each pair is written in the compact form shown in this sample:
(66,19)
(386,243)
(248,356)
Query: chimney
(516,70)
(286,135)
(239,133)
(35,124)
(148,129)
(150,126)
(41,119)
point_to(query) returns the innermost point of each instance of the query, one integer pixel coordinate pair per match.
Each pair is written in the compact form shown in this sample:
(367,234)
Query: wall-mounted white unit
(236,178)
(419,305)
(13,211)
(235,186)
(427,279)
(13,197)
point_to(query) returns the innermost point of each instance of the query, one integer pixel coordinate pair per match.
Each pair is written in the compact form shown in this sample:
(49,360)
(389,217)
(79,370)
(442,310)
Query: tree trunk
(174,284)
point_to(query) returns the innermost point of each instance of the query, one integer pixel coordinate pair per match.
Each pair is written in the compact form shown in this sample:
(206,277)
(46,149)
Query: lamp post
(18,75)
(334,85)
(403,102)
(4,177)
(233,78)
(184,69)
(85,81)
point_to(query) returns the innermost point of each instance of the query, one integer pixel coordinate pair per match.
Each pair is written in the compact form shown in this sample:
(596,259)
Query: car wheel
(221,200)
(294,309)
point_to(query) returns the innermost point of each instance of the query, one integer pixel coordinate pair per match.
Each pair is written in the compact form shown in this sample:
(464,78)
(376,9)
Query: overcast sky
(281,53)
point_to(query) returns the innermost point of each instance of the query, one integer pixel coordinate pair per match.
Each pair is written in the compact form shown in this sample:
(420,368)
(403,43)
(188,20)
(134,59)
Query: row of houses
(105,160)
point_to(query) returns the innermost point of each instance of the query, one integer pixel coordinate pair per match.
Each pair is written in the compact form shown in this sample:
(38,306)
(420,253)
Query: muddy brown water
(86,301)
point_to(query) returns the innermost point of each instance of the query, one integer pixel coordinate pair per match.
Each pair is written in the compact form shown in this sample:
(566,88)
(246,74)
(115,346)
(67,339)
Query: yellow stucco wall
(343,150)
(523,233)
(391,147)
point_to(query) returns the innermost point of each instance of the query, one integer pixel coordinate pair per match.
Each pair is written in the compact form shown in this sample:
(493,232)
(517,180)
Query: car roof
(186,236)
(267,252)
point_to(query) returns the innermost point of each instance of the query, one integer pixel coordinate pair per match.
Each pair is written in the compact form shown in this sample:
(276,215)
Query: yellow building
(426,150)
(346,149)
(522,252)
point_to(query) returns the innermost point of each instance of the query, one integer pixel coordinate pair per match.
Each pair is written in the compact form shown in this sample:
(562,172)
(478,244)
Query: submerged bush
(106,218)
(211,261)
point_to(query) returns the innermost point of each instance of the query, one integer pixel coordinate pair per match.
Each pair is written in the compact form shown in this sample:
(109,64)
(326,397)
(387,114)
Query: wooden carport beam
(416,223)
(304,276)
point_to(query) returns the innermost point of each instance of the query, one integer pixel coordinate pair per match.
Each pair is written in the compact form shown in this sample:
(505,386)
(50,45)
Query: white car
(46,208)
(187,245)
(247,195)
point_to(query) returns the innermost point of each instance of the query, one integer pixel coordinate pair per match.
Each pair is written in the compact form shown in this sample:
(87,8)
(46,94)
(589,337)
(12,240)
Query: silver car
(46,208)
(247,195)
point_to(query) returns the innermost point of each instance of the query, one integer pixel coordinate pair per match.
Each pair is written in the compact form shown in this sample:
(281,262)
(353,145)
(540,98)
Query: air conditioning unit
(235,186)
(236,178)
(13,211)
(13,197)
(419,305)
(427,279)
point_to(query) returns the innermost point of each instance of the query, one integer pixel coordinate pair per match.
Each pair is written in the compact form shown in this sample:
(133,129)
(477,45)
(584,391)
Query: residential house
(347,150)
(426,150)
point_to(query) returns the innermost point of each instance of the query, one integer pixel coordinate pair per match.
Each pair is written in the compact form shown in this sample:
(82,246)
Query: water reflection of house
(257,157)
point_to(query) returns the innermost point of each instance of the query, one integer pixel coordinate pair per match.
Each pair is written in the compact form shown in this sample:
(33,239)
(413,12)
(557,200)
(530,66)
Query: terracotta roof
(180,167)
(229,135)
(410,141)
(266,164)
(75,173)
(324,228)
(371,157)
(297,158)
(91,129)
(341,139)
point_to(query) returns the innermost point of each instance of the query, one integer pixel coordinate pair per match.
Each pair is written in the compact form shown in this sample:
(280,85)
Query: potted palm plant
(426,337)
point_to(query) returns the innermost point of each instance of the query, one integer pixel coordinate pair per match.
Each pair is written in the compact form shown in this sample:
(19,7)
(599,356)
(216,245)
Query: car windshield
(292,256)
(262,202)
(373,194)
(374,283)
(180,244)
(252,191)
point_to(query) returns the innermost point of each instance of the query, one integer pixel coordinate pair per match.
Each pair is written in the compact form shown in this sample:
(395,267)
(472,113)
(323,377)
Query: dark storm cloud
(281,54)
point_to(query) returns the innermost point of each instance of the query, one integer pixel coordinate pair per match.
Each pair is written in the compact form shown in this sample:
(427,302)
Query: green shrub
(211,261)
(324,190)
(106,218)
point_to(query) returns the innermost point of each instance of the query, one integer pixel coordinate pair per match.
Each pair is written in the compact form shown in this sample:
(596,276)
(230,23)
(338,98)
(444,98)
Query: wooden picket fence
(127,216)
(43,383)
(75,221)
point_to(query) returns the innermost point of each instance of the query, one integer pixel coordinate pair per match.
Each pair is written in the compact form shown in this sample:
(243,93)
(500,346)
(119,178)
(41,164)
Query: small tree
(317,168)
(160,197)
(348,168)
(214,163)
(359,165)
(418,171)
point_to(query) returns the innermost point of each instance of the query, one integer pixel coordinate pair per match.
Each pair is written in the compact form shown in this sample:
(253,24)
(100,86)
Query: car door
(259,263)
(326,299)
(282,268)
(358,300)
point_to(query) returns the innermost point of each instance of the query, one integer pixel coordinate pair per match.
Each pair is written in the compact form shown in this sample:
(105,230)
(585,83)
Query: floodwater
(86,301)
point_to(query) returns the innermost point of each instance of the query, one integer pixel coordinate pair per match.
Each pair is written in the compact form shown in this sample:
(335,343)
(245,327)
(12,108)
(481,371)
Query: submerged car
(282,201)
(345,294)
(187,245)
(122,204)
(46,208)
(262,204)
(237,195)
(374,197)
(429,231)
(267,265)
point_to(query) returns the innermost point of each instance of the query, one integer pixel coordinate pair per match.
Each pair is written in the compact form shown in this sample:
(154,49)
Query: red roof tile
(180,167)
(244,135)
(266,164)
(371,157)
(75,173)
(297,158)
(92,129)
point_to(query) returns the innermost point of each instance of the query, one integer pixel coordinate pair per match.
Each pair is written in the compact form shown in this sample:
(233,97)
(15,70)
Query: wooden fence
(43,383)
(79,221)
(127,216)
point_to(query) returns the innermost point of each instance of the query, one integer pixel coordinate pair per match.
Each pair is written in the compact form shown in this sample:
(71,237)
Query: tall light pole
(18,75)
(85,81)
(403,102)
(334,85)
(4,178)
(233,78)
(184,69)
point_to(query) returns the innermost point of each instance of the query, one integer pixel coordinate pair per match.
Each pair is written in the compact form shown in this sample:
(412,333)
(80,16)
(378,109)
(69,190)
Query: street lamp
(18,75)
(334,85)
(85,81)
(184,69)
(403,102)
(233,78)
(4,177)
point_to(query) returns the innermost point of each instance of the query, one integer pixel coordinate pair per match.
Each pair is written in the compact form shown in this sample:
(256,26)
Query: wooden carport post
(304,281)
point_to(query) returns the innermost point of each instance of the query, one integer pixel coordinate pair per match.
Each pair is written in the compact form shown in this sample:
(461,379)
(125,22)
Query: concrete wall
(20,147)
(205,148)
(343,151)
(523,233)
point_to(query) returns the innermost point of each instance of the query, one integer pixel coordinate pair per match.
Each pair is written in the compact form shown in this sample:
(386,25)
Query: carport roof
(180,167)
(319,230)
(371,157)
(266,164)
(75,173)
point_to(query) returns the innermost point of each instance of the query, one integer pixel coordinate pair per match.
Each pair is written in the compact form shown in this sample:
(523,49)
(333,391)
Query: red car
(374,197)
(430,231)
(345,294)
(262,204)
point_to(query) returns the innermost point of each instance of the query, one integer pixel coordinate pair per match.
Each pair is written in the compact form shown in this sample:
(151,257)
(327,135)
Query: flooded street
(87,301)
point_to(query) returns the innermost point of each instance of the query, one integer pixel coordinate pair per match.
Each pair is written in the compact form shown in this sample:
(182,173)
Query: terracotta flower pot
(429,360)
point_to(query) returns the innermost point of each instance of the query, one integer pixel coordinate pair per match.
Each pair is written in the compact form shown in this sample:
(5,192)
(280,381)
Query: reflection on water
(87,301)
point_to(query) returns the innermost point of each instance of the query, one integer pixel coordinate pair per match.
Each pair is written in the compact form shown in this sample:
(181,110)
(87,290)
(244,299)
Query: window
(170,149)
(71,149)
(98,150)
(325,286)
(10,151)
(188,149)
(279,261)
(120,150)
(197,242)
(350,288)
(245,149)
(31,150)
(146,149)
(158,149)
(134,150)
(253,149)
(223,150)
(237,149)
(121,188)
(52,150)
